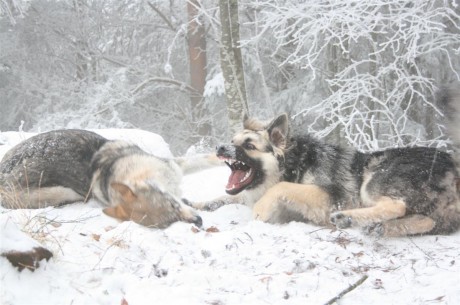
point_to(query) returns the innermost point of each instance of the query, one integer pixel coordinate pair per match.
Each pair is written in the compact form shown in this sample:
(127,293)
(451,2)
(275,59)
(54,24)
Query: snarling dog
(65,166)
(393,192)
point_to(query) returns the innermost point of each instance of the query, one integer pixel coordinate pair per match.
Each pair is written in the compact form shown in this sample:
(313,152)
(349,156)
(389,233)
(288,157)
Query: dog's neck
(253,195)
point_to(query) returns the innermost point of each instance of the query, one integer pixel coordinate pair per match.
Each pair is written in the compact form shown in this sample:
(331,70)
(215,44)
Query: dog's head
(255,153)
(148,205)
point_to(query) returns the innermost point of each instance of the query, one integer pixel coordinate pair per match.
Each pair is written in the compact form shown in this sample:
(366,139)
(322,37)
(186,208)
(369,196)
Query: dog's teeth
(246,176)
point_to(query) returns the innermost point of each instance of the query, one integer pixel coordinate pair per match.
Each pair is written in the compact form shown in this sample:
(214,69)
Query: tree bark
(196,39)
(80,46)
(232,64)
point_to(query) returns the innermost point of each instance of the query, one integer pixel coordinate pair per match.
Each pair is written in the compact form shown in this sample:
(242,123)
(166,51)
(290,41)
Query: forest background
(363,73)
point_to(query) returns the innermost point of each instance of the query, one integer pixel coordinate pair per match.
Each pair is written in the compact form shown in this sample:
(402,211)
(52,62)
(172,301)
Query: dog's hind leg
(385,208)
(308,200)
(35,198)
(410,225)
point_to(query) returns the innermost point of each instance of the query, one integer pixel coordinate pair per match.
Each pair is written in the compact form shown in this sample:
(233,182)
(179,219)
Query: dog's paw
(264,211)
(208,206)
(375,229)
(190,215)
(340,220)
(195,205)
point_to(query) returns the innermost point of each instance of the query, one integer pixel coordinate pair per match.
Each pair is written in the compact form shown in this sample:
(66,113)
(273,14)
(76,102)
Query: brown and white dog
(64,166)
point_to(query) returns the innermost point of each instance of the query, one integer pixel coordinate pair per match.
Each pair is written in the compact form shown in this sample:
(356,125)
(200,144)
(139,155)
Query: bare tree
(378,64)
(196,39)
(362,72)
(232,64)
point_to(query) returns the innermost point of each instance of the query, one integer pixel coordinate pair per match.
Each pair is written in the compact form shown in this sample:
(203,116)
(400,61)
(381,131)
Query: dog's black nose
(221,149)
(198,221)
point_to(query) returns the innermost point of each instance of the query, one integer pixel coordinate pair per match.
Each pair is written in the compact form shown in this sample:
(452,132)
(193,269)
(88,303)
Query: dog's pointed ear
(117,212)
(278,131)
(127,195)
(253,124)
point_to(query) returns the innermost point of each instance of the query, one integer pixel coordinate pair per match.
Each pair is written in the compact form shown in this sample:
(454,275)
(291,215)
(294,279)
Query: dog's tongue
(235,179)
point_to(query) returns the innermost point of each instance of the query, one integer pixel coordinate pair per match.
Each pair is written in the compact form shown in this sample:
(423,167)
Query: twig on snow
(421,250)
(344,292)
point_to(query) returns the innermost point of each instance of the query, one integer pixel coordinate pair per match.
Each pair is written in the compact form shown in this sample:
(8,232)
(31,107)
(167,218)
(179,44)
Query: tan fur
(307,199)
(146,208)
(411,225)
(38,198)
(384,208)
(125,192)
(117,212)
(135,171)
(259,134)
(254,124)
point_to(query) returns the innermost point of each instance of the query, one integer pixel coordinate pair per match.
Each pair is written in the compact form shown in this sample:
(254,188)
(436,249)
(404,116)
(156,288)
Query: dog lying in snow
(65,166)
(393,192)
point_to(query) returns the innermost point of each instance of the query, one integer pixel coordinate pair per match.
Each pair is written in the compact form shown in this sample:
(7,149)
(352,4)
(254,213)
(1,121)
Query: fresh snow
(232,260)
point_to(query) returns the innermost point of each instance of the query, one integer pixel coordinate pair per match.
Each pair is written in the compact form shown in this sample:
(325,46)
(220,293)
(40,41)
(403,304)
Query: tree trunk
(232,64)
(80,46)
(197,59)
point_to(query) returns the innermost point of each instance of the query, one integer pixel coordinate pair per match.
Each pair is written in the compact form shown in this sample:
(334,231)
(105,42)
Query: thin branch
(182,86)
(113,61)
(344,292)
(168,22)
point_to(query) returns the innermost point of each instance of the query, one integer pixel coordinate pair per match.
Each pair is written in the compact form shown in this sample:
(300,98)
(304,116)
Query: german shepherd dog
(393,192)
(64,166)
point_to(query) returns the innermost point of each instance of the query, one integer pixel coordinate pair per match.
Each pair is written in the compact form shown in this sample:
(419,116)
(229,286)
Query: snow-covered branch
(381,62)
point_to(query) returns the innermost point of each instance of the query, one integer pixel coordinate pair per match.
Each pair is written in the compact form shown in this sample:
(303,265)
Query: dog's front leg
(213,205)
(309,201)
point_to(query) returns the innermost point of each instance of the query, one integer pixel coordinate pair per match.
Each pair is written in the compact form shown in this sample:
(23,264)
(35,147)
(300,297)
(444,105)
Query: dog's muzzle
(226,151)
(198,221)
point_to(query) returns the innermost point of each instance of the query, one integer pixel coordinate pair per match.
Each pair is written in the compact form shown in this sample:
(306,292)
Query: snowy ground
(233,260)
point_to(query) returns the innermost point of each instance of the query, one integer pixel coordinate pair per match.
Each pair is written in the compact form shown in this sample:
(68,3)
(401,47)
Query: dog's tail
(197,163)
(450,101)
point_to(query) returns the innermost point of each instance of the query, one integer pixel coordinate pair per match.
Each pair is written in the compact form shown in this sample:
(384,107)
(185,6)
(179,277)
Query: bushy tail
(450,101)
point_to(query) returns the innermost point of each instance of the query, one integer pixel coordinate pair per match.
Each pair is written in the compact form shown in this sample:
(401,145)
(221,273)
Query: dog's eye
(249,146)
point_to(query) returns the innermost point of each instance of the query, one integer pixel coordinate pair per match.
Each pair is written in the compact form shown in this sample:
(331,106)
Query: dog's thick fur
(65,166)
(394,192)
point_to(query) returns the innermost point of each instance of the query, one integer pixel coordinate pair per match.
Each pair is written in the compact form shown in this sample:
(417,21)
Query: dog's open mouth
(241,176)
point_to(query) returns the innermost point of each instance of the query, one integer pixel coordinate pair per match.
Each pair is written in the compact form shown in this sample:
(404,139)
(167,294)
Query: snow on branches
(380,63)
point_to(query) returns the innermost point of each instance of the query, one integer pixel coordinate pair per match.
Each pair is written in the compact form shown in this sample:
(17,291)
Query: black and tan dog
(64,166)
(394,192)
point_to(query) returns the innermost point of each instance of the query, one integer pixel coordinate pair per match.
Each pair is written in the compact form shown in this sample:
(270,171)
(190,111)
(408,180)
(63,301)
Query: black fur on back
(54,158)
(414,174)
(329,165)
(418,175)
